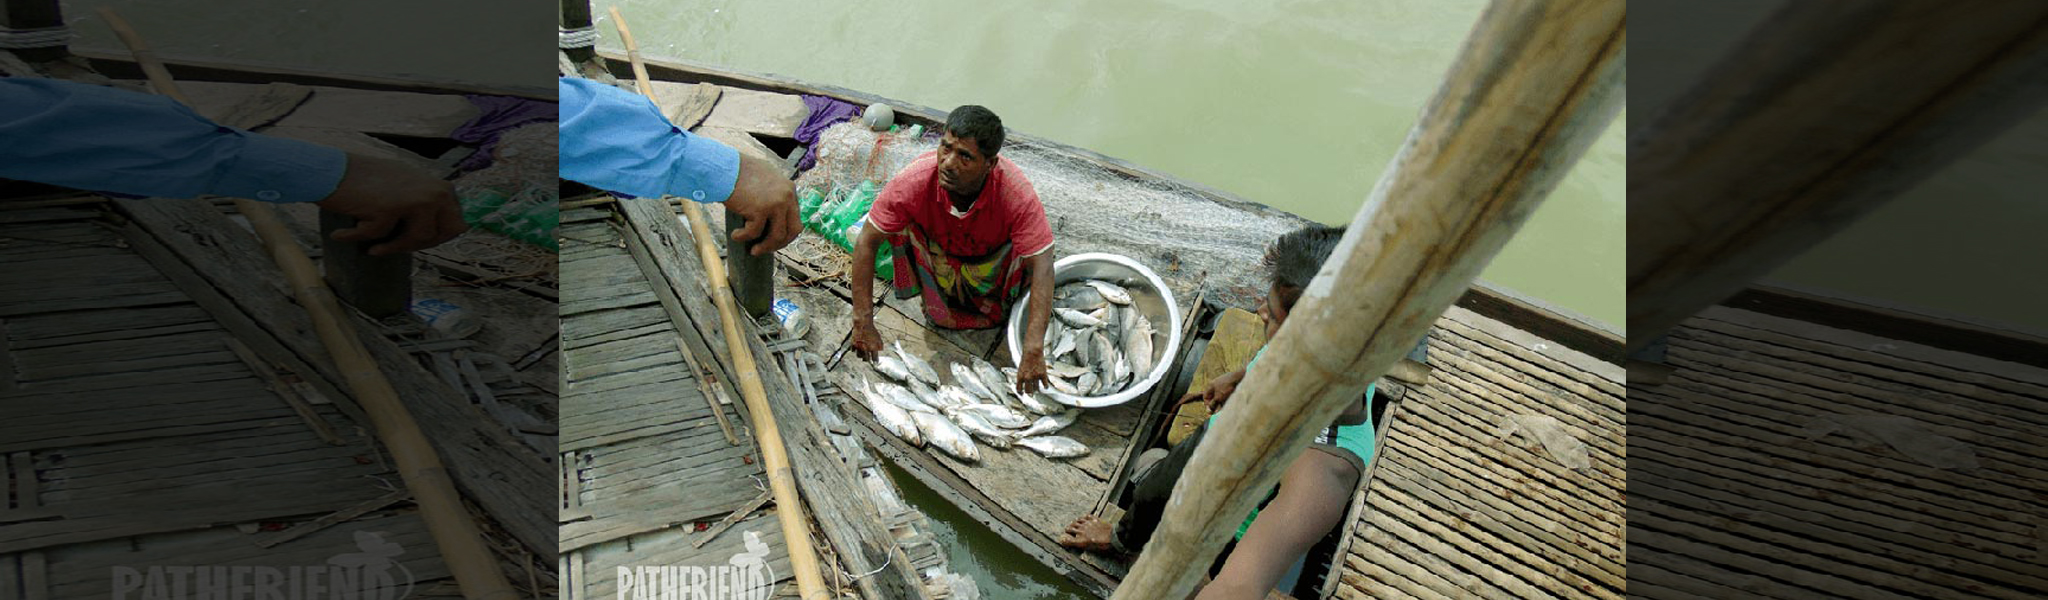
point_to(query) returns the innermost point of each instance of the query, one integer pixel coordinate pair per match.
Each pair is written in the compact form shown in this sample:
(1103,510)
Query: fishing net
(518,195)
(1182,234)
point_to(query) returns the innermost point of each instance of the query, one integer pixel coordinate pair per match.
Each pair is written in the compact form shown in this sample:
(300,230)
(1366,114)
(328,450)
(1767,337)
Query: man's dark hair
(980,124)
(1295,258)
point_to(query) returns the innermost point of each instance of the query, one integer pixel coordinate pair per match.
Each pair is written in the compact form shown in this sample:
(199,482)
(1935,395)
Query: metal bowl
(1148,293)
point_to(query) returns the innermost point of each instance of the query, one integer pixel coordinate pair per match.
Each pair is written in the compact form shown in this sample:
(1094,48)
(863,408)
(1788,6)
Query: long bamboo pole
(1821,115)
(796,533)
(1535,84)
(455,533)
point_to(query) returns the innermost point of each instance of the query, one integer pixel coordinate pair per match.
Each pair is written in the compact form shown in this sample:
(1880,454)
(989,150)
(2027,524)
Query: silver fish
(993,378)
(902,398)
(1105,353)
(1120,370)
(892,367)
(1050,423)
(918,367)
(956,397)
(1037,403)
(1053,446)
(1110,291)
(1087,385)
(1063,346)
(1138,347)
(1078,296)
(964,377)
(925,393)
(1065,370)
(941,433)
(983,430)
(996,414)
(1077,318)
(893,418)
(1063,386)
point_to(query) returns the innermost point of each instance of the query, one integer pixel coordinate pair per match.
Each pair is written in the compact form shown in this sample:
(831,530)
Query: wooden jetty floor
(1783,458)
(1453,509)
(137,431)
(649,474)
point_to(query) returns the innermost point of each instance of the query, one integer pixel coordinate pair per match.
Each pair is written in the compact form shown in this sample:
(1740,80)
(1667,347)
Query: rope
(581,37)
(38,37)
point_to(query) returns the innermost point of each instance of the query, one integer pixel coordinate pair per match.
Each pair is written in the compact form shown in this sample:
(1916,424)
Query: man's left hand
(1031,371)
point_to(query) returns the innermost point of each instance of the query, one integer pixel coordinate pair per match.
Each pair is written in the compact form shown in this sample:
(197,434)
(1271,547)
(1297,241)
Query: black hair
(1295,258)
(980,124)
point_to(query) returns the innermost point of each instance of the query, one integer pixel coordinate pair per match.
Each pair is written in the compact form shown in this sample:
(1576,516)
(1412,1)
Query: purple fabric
(500,114)
(825,112)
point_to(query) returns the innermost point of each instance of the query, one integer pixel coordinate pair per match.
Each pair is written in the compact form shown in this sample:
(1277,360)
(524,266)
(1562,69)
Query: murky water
(973,550)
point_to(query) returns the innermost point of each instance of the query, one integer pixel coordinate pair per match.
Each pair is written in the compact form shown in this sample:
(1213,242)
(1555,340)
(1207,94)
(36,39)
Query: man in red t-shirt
(969,235)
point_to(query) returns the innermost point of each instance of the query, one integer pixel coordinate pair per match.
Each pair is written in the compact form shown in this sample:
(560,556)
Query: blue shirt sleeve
(617,140)
(113,140)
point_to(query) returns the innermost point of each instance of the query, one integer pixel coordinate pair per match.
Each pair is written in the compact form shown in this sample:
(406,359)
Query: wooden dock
(1788,458)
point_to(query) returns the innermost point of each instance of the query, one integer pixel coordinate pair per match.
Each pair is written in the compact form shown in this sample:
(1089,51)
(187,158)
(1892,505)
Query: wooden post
(796,532)
(1535,84)
(379,286)
(1824,112)
(576,15)
(448,521)
(36,14)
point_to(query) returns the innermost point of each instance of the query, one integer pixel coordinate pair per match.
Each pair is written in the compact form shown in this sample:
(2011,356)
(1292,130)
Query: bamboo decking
(1786,459)
(165,403)
(138,433)
(640,448)
(1454,510)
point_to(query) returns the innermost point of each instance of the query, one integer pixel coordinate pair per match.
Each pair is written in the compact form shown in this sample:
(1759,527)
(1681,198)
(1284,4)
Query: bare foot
(1090,534)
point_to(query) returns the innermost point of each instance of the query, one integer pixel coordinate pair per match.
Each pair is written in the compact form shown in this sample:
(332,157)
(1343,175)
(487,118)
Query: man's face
(1279,302)
(962,166)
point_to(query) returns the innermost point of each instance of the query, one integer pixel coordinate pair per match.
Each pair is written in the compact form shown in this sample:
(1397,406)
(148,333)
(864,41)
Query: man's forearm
(1039,311)
(864,248)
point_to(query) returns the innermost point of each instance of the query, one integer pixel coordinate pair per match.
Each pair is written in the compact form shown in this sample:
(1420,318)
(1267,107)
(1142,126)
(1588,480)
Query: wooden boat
(1450,509)
(164,403)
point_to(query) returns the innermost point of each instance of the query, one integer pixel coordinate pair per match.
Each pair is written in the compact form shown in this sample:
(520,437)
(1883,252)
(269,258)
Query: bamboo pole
(1822,114)
(1534,85)
(796,533)
(455,533)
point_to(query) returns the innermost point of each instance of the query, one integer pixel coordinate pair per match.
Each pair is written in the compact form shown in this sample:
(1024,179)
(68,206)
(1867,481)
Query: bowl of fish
(1113,331)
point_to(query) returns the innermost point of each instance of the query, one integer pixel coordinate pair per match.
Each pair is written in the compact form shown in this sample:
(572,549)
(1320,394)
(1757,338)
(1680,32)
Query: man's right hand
(768,202)
(1218,392)
(867,342)
(400,207)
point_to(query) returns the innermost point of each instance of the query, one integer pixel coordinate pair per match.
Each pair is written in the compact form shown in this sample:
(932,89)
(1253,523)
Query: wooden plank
(351,141)
(330,519)
(284,391)
(755,111)
(27,485)
(9,381)
(686,104)
(245,105)
(1809,310)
